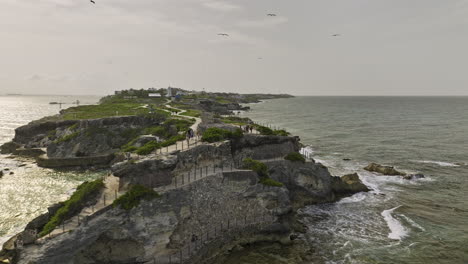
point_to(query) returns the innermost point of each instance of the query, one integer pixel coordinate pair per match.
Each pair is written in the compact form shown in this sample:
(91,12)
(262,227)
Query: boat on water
(54,103)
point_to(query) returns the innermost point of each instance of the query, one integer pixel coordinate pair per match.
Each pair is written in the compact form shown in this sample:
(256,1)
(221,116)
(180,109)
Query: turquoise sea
(400,221)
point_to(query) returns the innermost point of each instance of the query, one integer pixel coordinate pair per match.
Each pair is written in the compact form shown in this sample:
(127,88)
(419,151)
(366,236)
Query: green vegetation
(86,192)
(51,133)
(147,148)
(259,167)
(235,120)
(67,137)
(266,131)
(281,132)
(133,197)
(262,170)
(107,110)
(295,156)
(180,124)
(270,182)
(214,134)
(73,127)
(172,140)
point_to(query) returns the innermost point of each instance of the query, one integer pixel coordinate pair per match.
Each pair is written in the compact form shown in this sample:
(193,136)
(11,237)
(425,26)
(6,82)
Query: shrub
(214,134)
(160,131)
(84,193)
(172,140)
(181,124)
(260,168)
(67,137)
(133,197)
(270,182)
(295,156)
(147,148)
(265,130)
(281,132)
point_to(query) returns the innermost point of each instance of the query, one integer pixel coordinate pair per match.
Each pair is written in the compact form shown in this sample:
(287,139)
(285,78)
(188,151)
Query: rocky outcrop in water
(348,184)
(385,170)
(9,147)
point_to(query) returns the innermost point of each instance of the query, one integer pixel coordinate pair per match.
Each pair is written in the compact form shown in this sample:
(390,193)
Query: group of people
(247,128)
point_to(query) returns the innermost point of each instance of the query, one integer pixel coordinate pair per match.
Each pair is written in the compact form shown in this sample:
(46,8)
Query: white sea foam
(397,230)
(413,223)
(307,150)
(354,199)
(440,163)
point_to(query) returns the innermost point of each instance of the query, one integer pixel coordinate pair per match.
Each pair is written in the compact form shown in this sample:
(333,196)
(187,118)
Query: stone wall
(159,228)
(46,162)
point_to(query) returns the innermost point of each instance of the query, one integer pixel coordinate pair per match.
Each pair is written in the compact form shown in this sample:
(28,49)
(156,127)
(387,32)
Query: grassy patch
(294,156)
(133,197)
(103,110)
(67,137)
(84,193)
(214,134)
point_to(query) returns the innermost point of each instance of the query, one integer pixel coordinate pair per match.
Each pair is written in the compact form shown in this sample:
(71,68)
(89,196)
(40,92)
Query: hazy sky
(386,47)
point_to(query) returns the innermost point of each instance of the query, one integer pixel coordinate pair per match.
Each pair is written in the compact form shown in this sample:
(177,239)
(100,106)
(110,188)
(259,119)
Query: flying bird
(273,15)
(223,34)
(92,1)
(336,35)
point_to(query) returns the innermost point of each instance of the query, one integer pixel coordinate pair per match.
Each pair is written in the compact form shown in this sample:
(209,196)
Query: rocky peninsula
(172,196)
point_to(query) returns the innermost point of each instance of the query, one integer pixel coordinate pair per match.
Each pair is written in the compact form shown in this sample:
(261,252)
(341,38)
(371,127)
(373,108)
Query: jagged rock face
(348,184)
(96,137)
(9,147)
(385,170)
(33,133)
(149,172)
(112,247)
(308,183)
(264,147)
(161,226)
(204,155)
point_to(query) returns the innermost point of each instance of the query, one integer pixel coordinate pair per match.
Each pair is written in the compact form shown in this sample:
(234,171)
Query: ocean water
(28,192)
(399,221)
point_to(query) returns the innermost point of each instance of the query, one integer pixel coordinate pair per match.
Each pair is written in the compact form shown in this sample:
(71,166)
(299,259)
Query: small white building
(154,95)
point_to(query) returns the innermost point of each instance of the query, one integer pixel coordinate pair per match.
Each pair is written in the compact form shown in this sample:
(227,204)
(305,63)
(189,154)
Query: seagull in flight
(272,15)
(336,35)
(92,1)
(223,34)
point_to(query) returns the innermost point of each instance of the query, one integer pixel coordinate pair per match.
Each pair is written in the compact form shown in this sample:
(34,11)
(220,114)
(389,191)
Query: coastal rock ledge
(201,222)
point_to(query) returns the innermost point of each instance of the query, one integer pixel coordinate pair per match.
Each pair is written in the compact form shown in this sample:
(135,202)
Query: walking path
(111,190)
